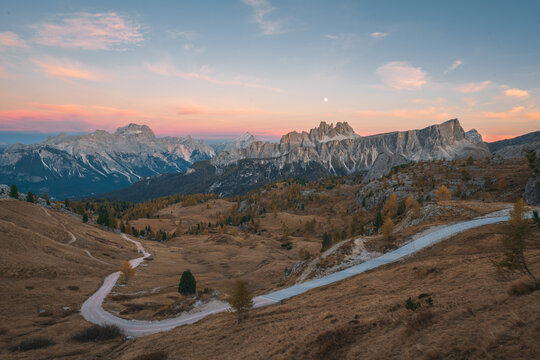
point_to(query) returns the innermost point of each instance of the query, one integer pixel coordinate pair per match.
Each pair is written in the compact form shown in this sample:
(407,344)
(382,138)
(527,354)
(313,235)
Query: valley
(263,179)
(272,238)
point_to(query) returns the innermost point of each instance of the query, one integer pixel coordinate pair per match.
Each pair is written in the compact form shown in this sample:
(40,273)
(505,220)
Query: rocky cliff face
(67,166)
(341,151)
(324,151)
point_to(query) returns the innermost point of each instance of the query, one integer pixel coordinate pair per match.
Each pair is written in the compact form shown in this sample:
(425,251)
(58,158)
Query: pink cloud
(9,39)
(474,87)
(165,68)
(3,73)
(402,75)
(517,93)
(194,109)
(67,117)
(100,31)
(66,69)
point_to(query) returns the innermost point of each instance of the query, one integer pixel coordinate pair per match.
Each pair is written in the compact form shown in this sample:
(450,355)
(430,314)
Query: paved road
(93,311)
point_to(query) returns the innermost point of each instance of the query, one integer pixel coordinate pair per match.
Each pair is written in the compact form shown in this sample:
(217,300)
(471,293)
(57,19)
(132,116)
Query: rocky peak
(342,130)
(134,131)
(321,134)
(474,136)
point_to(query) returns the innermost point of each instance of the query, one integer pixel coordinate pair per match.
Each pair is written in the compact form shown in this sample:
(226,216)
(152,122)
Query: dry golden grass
(365,316)
(45,281)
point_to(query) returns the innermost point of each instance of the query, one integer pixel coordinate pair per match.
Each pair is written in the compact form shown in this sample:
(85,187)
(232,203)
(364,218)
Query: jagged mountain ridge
(343,152)
(66,166)
(240,142)
(327,150)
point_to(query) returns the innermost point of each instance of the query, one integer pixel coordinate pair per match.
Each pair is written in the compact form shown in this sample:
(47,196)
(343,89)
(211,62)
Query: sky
(216,69)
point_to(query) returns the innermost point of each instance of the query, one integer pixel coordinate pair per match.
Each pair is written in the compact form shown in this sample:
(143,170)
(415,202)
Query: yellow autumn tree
(416,210)
(126,271)
(501,184)
(443,194)
(391,206)
(514,244)
(409,202)
(241,299)
(387,228)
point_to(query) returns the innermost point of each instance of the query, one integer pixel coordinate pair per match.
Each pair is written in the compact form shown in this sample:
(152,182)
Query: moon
(325,99)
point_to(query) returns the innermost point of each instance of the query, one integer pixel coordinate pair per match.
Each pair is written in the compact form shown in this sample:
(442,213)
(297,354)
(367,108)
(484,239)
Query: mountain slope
(516,147)
(518,140)
(324,151)
(66,166)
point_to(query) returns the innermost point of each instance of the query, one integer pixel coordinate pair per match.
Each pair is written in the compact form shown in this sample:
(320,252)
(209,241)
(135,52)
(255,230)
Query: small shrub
(411,305)
(97,333)
(287,245)
(520,287)
(31,344)
(73,287)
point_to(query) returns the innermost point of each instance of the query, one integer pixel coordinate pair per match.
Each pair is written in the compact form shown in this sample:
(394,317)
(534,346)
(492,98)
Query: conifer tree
(13,192)
(443,194)
(127,271)
(514,243)
(409,202)
(241,299)
(327,241)
(378,221)
(29,197)
(387,228)
(187,285)
(391,205)
(46,197)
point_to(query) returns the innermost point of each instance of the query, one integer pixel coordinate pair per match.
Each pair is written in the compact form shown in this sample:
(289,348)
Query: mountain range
(66,165)
(326,150)
(133,164)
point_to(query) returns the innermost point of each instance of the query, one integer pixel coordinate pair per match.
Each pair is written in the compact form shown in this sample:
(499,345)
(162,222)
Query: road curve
(93,311)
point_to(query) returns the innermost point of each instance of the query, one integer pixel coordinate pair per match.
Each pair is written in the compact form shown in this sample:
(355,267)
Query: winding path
(93,311)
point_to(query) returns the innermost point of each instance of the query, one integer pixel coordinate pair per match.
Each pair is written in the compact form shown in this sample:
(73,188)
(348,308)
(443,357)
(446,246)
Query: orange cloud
(474,87)
(517,113)
(66,69)
(518,93)
(9,39)
(66,117)
(439,100)
(193,109)
(402,75)
(99,31)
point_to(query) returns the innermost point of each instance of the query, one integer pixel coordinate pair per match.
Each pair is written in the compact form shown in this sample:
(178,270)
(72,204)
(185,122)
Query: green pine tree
(29,197)
(326,242)
(13,192)
(187,285)
(378,221)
